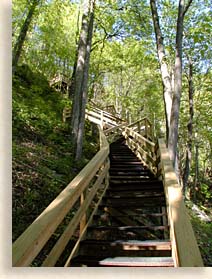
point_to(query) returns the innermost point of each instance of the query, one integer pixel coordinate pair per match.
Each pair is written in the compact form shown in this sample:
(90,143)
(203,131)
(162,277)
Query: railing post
(139,127)
(64,115)
(146,127)
(102,120)
(83,220)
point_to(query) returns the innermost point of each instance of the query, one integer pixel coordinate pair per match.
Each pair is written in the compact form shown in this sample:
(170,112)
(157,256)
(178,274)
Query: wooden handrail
(185,250)
(108,114)
(96,116)
(33,239)
(142,147)
(114,129)
(143,126)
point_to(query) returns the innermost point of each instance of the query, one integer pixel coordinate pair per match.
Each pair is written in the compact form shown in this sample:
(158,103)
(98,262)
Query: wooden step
(132,194)
(121,151)
(119,147)
(148,181)
(130,244)
(138,262)
(125,248)
(127,228)
(128,168)
(122,261)
(125,163)
(129,172)
(123,156)
(128,190)
(132,199)
(154,215)
(135,202)
(129,177)
(142,184)
(131,205)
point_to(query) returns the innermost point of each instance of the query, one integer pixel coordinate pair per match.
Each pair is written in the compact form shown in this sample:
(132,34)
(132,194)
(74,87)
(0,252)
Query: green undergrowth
(201,221)
(43,162)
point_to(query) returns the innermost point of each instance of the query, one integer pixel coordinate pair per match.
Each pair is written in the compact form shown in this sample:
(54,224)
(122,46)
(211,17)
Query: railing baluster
(83,220)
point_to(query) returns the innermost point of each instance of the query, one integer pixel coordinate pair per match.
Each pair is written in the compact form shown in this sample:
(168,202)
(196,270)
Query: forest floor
(43,162)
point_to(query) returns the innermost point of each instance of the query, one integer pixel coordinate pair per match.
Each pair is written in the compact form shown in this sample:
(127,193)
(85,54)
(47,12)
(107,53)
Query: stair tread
(123,228)
(134,195)
(125,261)
(133,205)
(116,187)
(135,202)
(138,261)
(120,163)
(132,200)
(96,216)
(157,244)
(126,171)
(144,182)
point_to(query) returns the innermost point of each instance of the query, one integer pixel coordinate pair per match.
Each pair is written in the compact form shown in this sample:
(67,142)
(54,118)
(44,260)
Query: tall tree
(165,74)
(189,126)
(22,35)
(172,95)
(173,131)
(81,77)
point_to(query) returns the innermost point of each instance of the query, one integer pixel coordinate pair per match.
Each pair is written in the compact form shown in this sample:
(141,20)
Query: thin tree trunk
(72,86)
(190,127)
(173,133)
(78,78)
(175,111)
(79,85)
(85,84)
(22,36)
(196,178)
(165,75)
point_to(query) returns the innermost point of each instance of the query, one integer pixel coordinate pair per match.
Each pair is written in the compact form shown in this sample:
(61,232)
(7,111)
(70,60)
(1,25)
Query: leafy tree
(22,35)
(172,94)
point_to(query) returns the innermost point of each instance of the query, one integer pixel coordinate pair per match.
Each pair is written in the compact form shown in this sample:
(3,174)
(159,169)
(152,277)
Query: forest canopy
(124,67)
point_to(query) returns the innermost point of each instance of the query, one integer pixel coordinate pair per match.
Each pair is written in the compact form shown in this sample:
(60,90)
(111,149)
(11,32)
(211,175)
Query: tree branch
(187,7)
(106,36)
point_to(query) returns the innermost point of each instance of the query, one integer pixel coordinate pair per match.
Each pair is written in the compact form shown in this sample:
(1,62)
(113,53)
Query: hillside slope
(42,154)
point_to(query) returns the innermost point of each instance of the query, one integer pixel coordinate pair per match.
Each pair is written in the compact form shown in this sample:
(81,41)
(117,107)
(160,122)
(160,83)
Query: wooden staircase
(130,227)
(124,208)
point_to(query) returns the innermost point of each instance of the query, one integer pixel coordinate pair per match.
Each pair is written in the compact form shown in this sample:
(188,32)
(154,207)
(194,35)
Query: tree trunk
(171,97)
(175,111)
(173,133)
(78,78)
(190,127)
(85,84)
(22,36)
(79,85)
(196,178)
(165,75)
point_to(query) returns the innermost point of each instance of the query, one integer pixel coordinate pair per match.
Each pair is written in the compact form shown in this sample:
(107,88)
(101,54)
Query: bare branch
(187,7)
